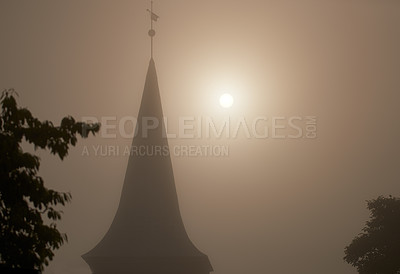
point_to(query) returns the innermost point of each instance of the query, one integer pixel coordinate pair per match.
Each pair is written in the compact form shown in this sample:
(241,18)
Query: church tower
(147,234)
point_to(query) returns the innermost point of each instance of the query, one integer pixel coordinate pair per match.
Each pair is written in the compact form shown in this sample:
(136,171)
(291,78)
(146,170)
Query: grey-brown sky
(272,206)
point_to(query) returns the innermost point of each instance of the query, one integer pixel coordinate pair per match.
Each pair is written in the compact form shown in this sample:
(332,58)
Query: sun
(226,100)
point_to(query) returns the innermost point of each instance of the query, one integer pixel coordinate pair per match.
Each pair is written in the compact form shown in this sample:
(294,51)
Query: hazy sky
(272,206)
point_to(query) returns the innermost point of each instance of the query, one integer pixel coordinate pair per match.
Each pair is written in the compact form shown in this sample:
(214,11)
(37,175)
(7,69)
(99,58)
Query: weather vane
(153,18)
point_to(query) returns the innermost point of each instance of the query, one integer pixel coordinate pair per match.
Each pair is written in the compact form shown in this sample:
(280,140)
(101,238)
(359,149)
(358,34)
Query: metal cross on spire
(153,18)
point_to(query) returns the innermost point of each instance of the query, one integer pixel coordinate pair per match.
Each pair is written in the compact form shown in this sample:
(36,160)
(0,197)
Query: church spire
(147,234)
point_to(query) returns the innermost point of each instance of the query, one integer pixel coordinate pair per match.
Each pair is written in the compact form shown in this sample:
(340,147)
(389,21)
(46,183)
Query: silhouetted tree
(26,241)
(377,249)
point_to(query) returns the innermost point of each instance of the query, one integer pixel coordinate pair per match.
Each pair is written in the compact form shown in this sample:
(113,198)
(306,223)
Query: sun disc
(226,100)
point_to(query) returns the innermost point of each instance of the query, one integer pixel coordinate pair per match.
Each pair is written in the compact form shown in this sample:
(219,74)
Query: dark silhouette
(377,248)
(26,242)
(147,234)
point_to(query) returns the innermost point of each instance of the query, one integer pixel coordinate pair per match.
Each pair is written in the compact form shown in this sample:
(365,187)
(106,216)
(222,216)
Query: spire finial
(153,18)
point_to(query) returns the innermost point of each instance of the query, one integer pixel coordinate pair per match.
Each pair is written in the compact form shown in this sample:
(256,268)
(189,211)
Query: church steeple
(147,234)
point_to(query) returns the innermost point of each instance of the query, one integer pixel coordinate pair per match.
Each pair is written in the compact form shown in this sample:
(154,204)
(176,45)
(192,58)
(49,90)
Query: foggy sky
(272,206)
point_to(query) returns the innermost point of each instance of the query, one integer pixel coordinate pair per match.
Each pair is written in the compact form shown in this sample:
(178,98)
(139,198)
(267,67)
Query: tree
(28,210)
(377,249)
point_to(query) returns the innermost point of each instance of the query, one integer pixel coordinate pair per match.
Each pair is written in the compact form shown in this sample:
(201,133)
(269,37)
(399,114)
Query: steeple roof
(147,233)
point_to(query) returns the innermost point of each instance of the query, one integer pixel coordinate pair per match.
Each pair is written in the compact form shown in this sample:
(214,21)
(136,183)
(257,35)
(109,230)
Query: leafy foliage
(26,241)
(377,248)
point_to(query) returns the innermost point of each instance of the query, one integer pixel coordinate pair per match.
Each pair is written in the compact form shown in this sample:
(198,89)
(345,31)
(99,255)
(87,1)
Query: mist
(272,205)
